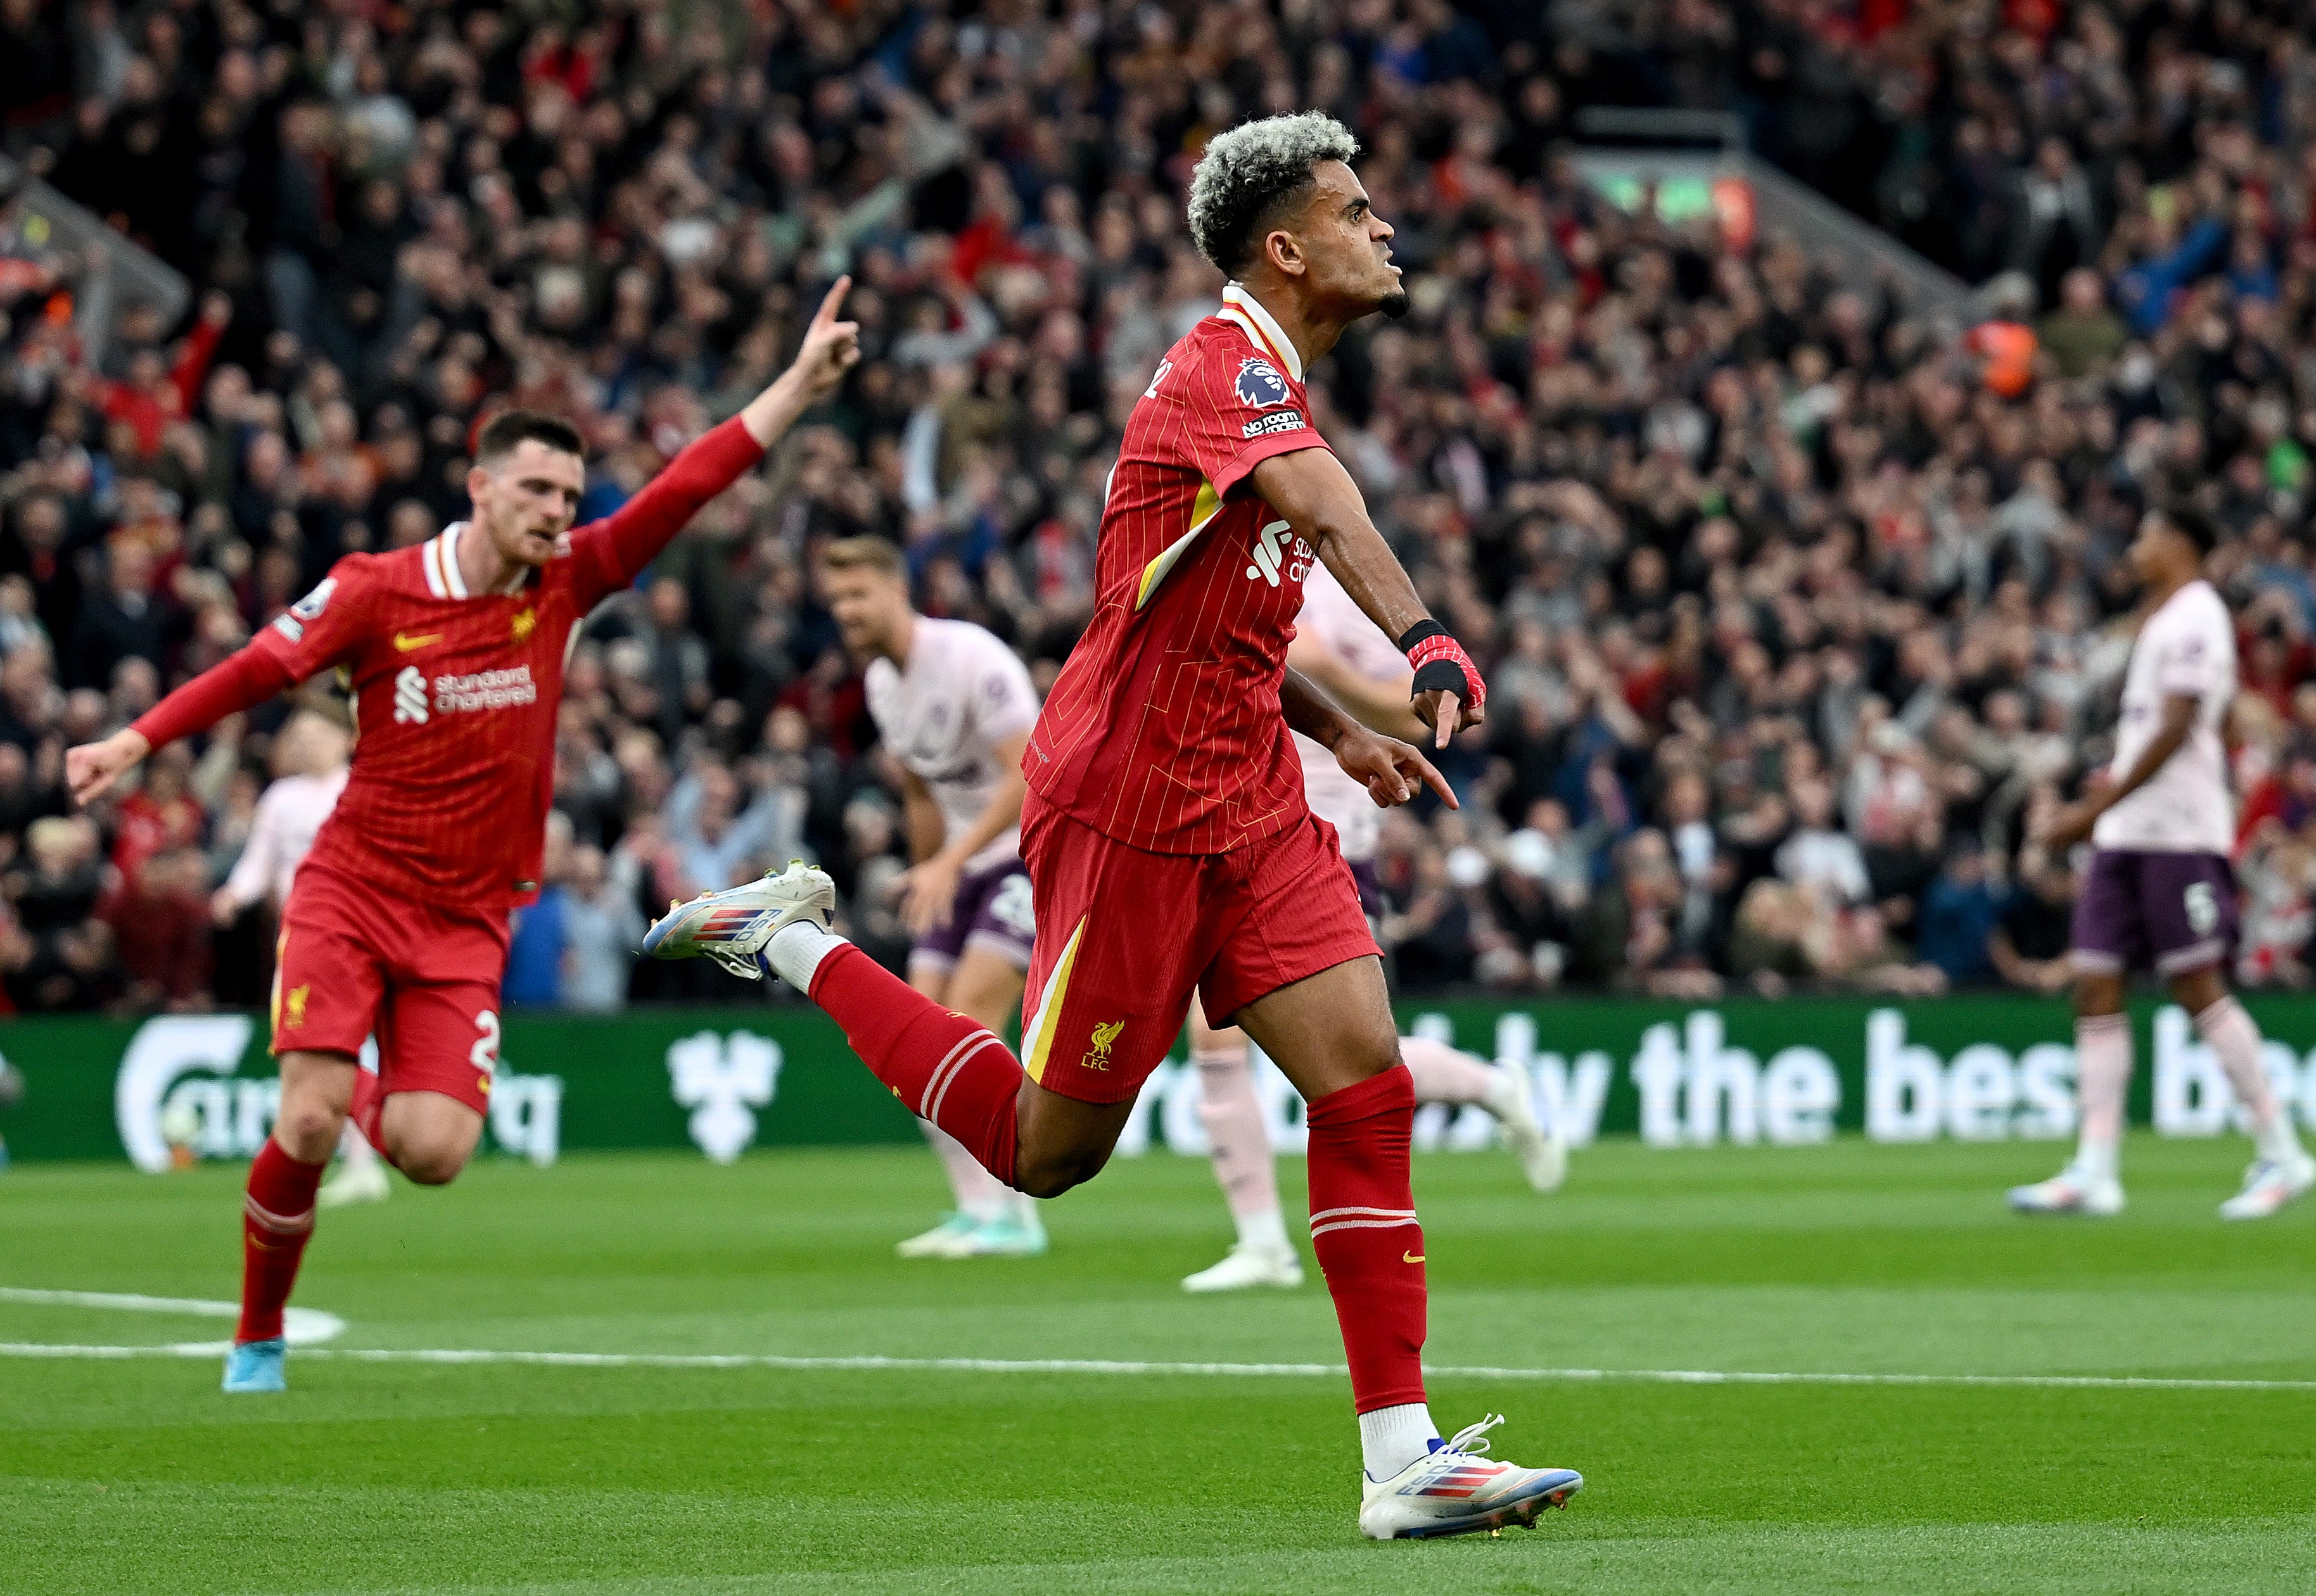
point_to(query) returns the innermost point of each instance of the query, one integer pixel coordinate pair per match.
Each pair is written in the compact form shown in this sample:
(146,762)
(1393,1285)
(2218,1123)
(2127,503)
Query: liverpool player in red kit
(396,925)
(1168,842)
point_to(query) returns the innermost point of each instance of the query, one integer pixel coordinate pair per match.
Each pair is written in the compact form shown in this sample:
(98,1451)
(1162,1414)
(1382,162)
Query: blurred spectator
(539,951)
(2029,945)
(121,620)
(1629,936)
(602,929)
(1959,916)
(63,956)
(1823,861)
(159,918)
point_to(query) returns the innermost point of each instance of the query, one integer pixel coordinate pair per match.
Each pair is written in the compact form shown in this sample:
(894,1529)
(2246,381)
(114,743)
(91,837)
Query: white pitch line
(300,1327)
(1679,1376)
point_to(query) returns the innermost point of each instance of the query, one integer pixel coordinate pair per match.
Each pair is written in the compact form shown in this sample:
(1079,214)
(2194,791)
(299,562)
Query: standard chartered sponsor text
(485,689)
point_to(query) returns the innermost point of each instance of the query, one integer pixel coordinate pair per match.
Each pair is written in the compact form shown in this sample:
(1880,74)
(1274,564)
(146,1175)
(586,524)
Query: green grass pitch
(135,1475)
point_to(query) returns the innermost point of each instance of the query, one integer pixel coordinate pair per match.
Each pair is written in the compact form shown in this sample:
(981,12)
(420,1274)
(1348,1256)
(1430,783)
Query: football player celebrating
(396,923)
(1169,845)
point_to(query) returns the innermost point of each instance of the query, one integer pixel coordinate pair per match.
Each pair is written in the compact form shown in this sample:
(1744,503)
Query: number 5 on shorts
(2202,908)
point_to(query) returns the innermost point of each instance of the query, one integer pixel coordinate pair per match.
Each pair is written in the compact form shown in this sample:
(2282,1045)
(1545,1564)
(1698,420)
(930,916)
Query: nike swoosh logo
(1410,1257)
(406,643)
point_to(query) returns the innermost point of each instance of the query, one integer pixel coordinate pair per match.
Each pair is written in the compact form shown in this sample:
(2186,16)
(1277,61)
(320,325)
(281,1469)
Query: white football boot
(733,925)
(1458,1489)
(2268,1186)
(944,1240)
(2071,1192)
(1246,1266)
(1543,1154)
(355,1183)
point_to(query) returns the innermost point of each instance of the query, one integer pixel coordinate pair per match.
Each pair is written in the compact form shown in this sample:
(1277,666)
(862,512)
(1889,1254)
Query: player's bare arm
(928,888)
(1384,706)
(1323,506)
(1388,768)
(921,817)
(2074,823)
(524,505)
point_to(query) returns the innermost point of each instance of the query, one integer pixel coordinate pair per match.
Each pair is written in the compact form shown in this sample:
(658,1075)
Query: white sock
(2234,1040)
(2102,1073)
(1265,1230)
(795,950)
(1444,1075)
(978,1195)
(2277,1142)
(1392,1438)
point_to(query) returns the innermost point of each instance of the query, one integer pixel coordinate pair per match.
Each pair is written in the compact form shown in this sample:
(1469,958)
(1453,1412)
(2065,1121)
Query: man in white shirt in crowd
(2159,893)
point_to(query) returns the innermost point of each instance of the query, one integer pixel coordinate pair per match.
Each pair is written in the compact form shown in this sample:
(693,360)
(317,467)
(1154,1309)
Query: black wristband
(1440,676)
(1424,628)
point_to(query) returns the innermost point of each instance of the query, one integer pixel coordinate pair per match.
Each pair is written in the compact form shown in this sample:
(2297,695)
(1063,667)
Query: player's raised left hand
(830,347)
(1390,769)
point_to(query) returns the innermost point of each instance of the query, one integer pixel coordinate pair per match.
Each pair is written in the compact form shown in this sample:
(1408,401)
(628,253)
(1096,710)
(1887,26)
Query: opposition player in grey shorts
(2159,894)
(953,708)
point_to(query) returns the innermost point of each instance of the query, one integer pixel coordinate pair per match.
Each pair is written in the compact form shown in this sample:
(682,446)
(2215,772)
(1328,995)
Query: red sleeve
(249,678)
(200,345)
(317,632)
(613,550)
(1235,411)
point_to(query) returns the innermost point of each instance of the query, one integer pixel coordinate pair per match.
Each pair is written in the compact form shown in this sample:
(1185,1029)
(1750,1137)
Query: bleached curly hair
(1249,172)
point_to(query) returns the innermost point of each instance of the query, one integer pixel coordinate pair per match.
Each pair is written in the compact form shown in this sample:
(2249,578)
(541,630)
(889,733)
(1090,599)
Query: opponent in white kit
(2159,893)
(1336,646)
(954,706)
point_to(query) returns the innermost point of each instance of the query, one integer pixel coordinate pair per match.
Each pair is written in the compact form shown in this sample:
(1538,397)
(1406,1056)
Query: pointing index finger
(834,297)
(1451,710)
(1433,779)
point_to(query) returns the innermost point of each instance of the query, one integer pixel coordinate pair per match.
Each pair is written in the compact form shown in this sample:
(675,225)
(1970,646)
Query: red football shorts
(355,961)
(1124,936)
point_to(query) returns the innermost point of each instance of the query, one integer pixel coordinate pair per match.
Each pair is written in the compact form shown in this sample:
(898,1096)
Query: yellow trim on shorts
(273,999)
(1049,1017)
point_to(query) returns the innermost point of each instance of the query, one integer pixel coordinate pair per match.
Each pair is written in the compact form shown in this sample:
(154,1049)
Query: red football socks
(277,1218)
(1363,1228)
(368,1103)
(943,1067)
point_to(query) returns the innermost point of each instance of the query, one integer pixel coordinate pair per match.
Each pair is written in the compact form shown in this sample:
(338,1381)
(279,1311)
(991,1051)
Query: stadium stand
(1799,609)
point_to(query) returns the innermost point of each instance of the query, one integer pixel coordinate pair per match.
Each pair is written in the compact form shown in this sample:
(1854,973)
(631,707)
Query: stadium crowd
(1800,611)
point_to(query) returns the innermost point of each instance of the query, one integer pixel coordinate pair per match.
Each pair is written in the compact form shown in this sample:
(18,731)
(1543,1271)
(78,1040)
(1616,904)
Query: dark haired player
(398,922)
(2160,893)
(1169,845)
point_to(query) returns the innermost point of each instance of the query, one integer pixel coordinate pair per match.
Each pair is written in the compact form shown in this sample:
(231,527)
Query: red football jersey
(1164,730)
(455,692)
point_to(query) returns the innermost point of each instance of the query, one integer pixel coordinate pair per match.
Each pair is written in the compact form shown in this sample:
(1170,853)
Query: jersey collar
(438,556)
(1246,310)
